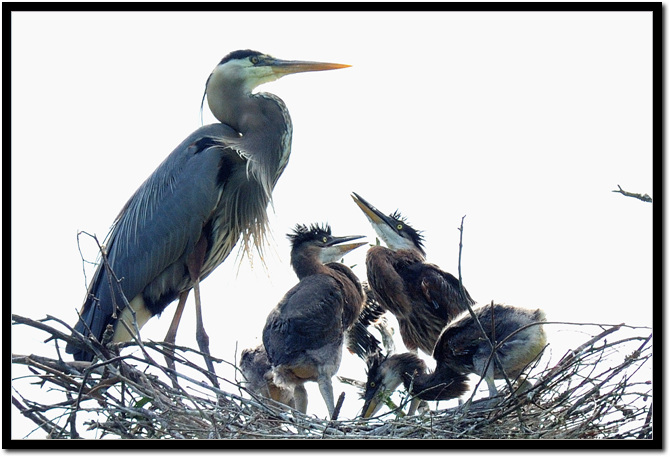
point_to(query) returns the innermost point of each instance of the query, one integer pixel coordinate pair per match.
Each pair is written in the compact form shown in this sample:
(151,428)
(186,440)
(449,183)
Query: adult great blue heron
(422,297)
(517,334)
(185,219)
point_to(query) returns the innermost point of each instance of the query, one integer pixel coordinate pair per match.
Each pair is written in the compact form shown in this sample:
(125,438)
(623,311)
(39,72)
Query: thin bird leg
(194,263)
(171,335)
(326,388)
(413,405)
(488,377)
(201,336)
(300,395)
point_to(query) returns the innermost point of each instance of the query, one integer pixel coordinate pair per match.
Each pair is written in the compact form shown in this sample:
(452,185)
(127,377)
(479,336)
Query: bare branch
(644,198)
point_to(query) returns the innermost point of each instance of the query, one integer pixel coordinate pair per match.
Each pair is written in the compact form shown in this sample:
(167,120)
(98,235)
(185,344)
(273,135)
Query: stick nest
(598,390)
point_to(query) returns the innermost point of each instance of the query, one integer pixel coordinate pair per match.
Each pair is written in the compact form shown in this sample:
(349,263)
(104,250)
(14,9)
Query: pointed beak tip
(344,248)
(373,214)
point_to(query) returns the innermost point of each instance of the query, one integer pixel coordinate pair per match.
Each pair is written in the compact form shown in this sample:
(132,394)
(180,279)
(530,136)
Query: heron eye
(254,60)
(372,384)
(399,226)
(325,239)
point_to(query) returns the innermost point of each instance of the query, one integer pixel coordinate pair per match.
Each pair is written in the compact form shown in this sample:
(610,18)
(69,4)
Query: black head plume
(373,373)
(415,235)
(302,233)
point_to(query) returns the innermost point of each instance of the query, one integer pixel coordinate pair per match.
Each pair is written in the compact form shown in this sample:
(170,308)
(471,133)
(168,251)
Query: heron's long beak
(334,250)
(372,404)
(373,214)
(287,67)
(345,248)
(337,240)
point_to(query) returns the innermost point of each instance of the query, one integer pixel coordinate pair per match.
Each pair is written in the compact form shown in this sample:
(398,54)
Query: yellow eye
(372,384)
(399,226)
(254,60)
(324,239)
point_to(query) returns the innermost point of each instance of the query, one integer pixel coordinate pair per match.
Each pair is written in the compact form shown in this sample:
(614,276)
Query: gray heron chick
(304,333)
(422,297)
(461,350)
(209,193)
(257,372)
(386,373)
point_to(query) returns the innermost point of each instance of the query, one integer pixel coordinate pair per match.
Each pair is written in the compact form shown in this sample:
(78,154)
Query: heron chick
(257,372)
(462,349)
(304,333)
(185,219)
(422,297)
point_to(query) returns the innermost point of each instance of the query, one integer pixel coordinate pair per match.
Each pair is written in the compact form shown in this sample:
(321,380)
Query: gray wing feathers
(159,223)
(308,317)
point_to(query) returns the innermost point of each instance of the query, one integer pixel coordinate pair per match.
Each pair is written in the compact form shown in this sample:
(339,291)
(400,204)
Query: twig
(39,419)
(494,354)
(644,198)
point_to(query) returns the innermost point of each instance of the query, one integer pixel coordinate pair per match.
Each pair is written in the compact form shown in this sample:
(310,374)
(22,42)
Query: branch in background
(644,198)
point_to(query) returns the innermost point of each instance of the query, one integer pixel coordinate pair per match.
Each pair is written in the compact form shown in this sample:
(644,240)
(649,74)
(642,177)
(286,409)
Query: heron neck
(441,384)
(306,263)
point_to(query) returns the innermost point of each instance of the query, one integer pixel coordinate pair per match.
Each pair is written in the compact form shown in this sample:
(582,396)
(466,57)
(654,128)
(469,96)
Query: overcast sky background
(523,122)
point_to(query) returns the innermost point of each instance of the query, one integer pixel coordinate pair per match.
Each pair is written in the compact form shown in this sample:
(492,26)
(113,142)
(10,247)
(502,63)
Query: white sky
(524,122)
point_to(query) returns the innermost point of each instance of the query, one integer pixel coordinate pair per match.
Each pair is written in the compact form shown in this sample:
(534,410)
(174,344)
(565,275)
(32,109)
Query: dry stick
(47,328)
(614,372)
(573,353)
(49,366)
(494,353)
(644,198)
(41,421)
(338,407)
(643,433)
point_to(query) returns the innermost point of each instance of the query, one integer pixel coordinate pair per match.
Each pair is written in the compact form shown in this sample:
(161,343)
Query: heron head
(392,229)
(240,72)
(319,240)
(385,374)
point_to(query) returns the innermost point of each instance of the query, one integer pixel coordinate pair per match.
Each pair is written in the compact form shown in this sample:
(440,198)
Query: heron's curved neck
(246,112)
(437,385)
(265,131)
(305,262)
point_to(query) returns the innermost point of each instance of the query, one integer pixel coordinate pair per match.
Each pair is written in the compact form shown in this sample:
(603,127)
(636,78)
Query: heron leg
(413,405)
(488,377)
(201,336)
(326,389)
(171,335)
(300,396)
(486,372)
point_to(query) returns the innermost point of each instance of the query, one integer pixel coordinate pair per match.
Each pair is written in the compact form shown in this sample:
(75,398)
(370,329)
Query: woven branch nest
(600,389)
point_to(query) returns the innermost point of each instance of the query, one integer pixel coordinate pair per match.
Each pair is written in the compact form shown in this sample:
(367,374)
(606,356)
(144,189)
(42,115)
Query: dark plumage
(359,339)
(303,334)
(421,296)
(462,350)
(518,331)
(385,374)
